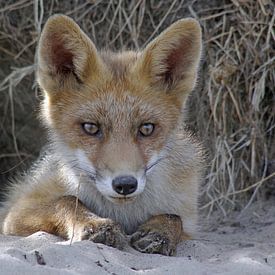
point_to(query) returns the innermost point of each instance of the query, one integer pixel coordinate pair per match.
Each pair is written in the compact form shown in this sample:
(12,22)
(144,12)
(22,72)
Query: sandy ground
(238,245)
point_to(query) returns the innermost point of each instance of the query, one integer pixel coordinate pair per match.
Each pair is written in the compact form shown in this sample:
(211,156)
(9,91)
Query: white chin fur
(104,185)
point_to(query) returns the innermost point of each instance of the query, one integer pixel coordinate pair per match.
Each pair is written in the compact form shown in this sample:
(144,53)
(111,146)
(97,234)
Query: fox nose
(124,185)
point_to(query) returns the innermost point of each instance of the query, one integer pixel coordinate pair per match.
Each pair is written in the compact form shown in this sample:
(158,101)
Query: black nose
(124,185)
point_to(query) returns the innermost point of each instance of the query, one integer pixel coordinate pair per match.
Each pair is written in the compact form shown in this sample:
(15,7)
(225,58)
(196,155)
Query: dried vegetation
(232,109)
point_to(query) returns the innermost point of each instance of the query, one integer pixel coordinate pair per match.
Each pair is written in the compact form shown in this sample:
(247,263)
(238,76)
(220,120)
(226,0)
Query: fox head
(113,113)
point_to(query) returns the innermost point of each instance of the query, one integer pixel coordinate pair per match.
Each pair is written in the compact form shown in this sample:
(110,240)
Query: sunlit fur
(119,91)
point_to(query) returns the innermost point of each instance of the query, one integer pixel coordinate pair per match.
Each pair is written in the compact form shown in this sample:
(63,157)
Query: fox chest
(128,215)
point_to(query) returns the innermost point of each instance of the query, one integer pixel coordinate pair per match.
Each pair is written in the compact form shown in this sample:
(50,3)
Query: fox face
(113,114)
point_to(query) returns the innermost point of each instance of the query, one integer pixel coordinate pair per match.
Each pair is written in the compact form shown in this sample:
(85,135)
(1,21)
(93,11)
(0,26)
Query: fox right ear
(66,56)
(170,62)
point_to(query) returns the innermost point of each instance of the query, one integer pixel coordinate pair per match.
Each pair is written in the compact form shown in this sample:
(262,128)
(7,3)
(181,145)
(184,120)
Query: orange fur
(119,92)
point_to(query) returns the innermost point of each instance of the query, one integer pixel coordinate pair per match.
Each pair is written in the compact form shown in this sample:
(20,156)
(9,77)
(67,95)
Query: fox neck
(130,214)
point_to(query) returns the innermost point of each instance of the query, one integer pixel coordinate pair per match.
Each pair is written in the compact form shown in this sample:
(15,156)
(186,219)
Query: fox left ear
(66,56)
(171,60)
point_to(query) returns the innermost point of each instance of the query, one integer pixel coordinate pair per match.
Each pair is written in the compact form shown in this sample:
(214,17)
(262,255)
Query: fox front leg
(64,218)
(159,235)
(87,226)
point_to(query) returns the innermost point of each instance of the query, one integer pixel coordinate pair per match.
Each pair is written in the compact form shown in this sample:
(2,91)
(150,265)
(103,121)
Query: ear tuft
(175,63)
(61,58)
(171,60)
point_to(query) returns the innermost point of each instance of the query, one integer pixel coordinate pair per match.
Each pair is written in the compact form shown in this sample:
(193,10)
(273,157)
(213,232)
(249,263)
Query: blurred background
(232,109)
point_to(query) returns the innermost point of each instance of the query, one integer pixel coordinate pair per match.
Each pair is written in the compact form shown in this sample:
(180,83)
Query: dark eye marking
(91,129)
(146,129)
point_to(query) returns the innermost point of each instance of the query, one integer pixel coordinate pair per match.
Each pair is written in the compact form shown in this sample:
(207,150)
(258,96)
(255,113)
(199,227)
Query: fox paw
(103,231)
(153,242)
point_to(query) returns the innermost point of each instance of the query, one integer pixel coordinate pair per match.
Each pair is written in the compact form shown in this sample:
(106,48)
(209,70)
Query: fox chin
(119,160)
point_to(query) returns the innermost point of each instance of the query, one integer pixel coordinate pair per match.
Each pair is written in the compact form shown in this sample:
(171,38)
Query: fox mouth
(122,200)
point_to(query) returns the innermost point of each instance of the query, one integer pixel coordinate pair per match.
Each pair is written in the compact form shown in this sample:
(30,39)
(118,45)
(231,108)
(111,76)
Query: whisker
(73,164)
(154,164)
(91,175)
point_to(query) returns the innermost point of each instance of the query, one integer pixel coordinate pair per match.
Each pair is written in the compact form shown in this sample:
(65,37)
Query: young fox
(119,160)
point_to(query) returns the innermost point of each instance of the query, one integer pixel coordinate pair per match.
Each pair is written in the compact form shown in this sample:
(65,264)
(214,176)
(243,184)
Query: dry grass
(232,110)
(241,97)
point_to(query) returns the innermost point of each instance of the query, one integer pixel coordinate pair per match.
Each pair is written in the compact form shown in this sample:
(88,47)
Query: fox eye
(146,129)
(91,128)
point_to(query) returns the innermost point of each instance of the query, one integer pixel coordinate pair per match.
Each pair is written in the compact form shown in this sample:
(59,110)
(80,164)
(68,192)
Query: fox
(120,167)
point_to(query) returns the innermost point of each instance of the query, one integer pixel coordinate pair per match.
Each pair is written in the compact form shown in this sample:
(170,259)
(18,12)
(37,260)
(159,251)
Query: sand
(236,245)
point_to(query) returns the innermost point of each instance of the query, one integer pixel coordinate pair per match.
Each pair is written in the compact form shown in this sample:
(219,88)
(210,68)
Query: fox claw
(152,242)
(107,232)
